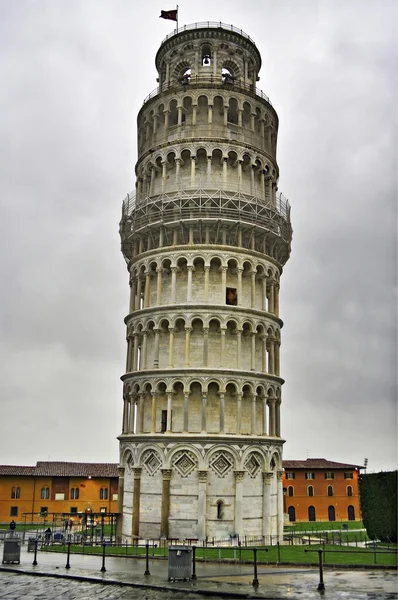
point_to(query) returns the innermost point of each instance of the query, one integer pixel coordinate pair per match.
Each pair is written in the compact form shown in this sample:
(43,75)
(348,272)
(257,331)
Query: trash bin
(31,544)
(12,551)
(180,562)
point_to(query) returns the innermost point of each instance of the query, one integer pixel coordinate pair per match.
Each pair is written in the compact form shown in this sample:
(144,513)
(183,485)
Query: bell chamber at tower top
(207,140)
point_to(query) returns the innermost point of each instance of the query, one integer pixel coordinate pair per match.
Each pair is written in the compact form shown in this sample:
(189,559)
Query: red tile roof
(318,463)
(16,471)
(62,469)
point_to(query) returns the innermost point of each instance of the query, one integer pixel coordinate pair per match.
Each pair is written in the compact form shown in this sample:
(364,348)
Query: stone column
(225,115)
(253,352)
(153,413)
(264,295)
(238,413)
(189,284)
(169,409)
(179,115)
(132,414)
(186,414)
(188,346)
(224,171)
(120,501)
(130,349)
(193,177)
(239,475)
(271,366)
(271,403)
(171,348)
(147,291)
(264,354)
(207,271)
(202,480)
(276,300)
(222,346)
(173,284)
(156,349)
(204,408)
(280,506)
(152,184)
(238,349)
(159,272)
(277,358)
(133,294)
(265,429)
(254,416)
(210,115)
(178,167)
(143,351)
(125,413)
(135,354)
(135,530)
(165,507)
(240,183)
(164,174)
(267,480)
(222,412)
(194,113)
(252,123)
(208,172)
(223,282)
(166,123)
(253,289)
(140,413)
(271,305)
(278,417)
(240,111)
(240,271)
(138,296)
(205,346)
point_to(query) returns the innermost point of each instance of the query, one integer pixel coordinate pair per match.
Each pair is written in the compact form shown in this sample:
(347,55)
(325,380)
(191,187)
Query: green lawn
(312,526)
(334,555)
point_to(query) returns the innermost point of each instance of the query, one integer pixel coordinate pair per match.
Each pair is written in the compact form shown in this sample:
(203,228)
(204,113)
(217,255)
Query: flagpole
(177,18)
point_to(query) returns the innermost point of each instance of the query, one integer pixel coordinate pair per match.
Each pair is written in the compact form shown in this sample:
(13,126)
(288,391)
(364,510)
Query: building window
(103,509)
(311,513)
(13,511)
(15,492)
(231,297)
(74,494)
(348,475)
(330,490)
(349,490)
(104,494)
(290,475)
(310,475)
(43,511)
(351,513)
(310,490)
(292,513)
(331,513)
(45,493)
(329,475)
(220,509)
(290,491)
(73,509)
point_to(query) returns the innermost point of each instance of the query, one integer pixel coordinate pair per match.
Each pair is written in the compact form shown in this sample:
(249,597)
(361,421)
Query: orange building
(317,489)
(55,488)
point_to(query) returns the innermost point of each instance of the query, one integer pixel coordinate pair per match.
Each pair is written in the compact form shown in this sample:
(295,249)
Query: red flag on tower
(172,15)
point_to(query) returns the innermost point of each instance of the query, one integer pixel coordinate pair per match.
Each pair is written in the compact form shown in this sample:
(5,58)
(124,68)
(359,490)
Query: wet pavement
(124,579)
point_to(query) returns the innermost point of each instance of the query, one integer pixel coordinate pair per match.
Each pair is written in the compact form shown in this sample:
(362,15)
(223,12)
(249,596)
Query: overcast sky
(73,76)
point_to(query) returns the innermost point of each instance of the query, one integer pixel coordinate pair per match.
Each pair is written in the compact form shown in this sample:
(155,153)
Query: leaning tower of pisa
(205,237)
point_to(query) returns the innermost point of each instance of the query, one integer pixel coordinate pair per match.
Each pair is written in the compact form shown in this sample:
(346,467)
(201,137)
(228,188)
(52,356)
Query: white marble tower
(205,237)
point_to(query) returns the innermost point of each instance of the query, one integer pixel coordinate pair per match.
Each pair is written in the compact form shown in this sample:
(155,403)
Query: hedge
(378,495)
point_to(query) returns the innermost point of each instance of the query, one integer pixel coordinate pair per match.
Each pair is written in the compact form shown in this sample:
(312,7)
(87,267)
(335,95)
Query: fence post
(255,582)
(34,563)
(193,562)
(374,551)
(147,559)
(67,566)
(103,558)
(321,585)
(279,552)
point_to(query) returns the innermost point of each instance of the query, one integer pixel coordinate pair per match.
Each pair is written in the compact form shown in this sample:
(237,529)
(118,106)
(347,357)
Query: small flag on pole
(172,15)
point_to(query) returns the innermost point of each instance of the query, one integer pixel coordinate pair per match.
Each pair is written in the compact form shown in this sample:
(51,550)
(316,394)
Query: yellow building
(30,494)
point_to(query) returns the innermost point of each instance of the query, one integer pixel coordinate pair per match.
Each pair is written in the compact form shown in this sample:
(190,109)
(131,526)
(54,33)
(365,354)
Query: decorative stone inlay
(184,463)
(252,465)
(202,476)
(151,462)
(130,463)
(221,464)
